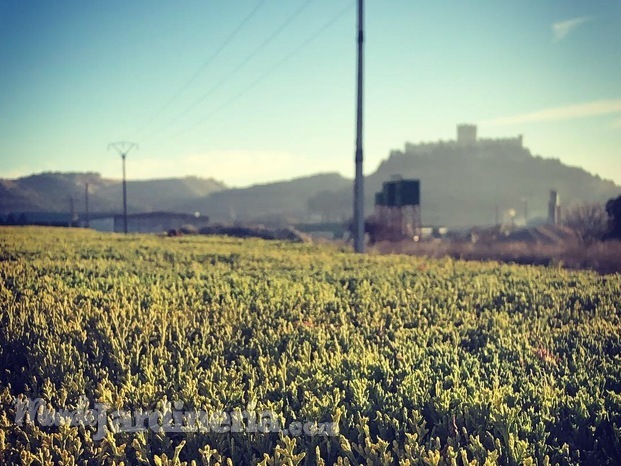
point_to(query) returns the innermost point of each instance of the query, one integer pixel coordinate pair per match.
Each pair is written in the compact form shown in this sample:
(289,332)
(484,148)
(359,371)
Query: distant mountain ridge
(50,192)
(273,203)
(463,182)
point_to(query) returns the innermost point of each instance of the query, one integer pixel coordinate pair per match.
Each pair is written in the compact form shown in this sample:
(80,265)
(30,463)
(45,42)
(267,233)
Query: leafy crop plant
(352,359)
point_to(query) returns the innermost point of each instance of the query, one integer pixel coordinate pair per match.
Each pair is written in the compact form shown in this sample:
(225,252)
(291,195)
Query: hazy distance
(253,91)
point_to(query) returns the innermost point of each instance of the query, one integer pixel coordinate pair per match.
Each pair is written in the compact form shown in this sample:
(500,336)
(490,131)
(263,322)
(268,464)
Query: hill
(50,192)
(463,183)
(280,202)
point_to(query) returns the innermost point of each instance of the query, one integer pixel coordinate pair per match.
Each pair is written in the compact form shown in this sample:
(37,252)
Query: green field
(416,361)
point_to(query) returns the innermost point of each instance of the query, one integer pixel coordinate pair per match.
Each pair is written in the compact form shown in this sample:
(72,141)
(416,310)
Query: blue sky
(277,101)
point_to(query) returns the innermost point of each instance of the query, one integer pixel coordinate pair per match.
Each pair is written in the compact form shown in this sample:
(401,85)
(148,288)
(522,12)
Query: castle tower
(466,134)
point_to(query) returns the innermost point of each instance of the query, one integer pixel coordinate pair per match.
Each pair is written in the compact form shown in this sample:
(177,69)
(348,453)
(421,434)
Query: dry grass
(603,257)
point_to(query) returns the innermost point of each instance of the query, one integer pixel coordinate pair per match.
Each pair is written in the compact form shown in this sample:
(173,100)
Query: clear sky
(250,91)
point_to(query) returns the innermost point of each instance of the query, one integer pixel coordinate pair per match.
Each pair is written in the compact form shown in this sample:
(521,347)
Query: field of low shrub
(354,359)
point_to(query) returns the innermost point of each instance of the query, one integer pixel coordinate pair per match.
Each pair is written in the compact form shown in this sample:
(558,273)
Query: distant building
(48,219)
(466,134)
(102,222)
(147,222)
(467,137)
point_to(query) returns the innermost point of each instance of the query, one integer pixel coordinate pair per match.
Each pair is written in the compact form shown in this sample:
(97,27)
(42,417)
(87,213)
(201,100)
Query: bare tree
(589,221)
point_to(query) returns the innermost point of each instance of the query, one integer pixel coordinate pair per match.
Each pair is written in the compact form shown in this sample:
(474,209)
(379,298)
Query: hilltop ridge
(463,182)
(50,192)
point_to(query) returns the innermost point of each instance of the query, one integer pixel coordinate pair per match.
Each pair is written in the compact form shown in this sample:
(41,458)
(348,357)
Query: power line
(247,60)
(277,66)
(198,72)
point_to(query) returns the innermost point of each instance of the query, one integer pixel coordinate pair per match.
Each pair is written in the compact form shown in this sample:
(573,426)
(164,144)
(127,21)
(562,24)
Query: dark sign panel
(399,193)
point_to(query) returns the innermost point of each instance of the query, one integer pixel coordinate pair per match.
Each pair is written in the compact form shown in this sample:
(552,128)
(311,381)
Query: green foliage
(418,361)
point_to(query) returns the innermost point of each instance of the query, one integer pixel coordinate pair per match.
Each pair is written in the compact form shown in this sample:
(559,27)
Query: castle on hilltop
(466,138)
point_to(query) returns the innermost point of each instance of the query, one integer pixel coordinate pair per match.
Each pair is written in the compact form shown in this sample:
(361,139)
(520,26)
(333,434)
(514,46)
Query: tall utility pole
(123,149)
(86,219)
(359,181)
